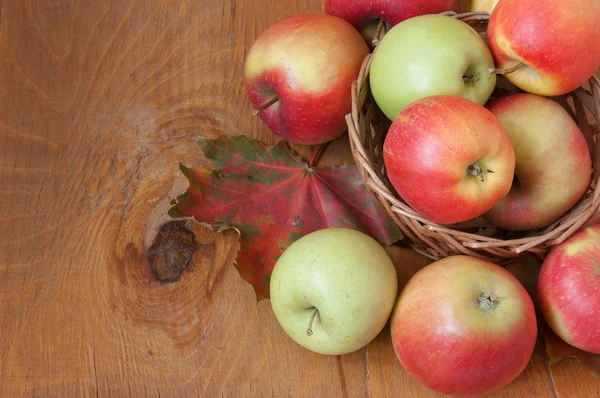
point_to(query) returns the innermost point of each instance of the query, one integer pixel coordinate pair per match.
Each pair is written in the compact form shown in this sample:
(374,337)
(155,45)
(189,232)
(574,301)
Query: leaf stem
(317,154)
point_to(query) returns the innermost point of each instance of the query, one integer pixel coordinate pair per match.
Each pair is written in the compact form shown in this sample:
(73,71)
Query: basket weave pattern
(367,127)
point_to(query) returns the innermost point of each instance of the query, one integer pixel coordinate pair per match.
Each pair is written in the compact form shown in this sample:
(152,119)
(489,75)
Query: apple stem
(476,170)
(487,302)
(499,71)
(309,331)
(377,37)
(265,106)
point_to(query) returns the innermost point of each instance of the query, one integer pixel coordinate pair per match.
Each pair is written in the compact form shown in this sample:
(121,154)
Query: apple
(448,158)
(464,326)
(430,55)
(553,164)
(362,13)
(333,290)
(556,42)
(298,76)
(484,5)
(569,290)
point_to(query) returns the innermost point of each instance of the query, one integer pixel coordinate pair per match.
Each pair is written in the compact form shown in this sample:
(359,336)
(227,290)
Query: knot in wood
(172,251)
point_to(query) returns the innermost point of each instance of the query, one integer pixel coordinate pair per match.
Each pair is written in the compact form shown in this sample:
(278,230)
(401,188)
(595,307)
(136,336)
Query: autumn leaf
(273,197)
(557,350)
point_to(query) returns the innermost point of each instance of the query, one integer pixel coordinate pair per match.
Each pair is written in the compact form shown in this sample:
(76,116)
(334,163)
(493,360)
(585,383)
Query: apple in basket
(553,163)
(333,290)
(569,289)
(367,13)
(553,44)
(298,76)
(464,326)
(430,55)
(448,158)
(484,5)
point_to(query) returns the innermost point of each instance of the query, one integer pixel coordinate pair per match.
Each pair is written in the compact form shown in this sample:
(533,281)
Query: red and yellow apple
(464,326)
(553,164)
(484,5)
(569,289)
(448,158)
(302,68)
(362,13)
(556,41)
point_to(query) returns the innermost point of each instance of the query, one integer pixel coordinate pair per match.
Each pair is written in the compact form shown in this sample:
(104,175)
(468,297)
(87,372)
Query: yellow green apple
(484,5)
(333,290)
(430,55)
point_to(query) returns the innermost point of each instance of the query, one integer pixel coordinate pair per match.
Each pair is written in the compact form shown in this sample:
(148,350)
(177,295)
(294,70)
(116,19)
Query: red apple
(361,13)
(556,40)
(569,289)
(448,158)
(302,68)
(464,326)
(553,164)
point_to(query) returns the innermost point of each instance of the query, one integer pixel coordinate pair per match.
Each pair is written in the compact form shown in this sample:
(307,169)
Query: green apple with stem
(430,55)
(333,290)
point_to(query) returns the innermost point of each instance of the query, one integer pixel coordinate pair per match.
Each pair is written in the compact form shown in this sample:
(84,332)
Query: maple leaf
(272,198)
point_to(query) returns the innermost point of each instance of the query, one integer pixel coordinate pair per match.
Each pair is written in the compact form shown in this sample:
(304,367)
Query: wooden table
(100,101)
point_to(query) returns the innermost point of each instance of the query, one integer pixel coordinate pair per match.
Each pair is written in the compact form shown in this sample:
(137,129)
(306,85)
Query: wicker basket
(367,127)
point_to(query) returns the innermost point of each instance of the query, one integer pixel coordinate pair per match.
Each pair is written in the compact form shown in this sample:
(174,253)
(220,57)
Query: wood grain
(100,102)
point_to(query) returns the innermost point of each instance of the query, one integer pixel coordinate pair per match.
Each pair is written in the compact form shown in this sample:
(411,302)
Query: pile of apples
(461,325)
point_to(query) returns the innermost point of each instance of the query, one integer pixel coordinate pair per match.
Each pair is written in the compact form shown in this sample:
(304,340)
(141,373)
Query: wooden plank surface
(99,102)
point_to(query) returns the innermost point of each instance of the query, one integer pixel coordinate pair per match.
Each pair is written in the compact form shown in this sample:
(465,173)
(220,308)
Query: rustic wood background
(100,101)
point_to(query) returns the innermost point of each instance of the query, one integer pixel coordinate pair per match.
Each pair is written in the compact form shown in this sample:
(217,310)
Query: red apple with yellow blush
(569,289)
(553,43)
(448,158)
(299,73)
(363,13)
(464,326)
(553,163)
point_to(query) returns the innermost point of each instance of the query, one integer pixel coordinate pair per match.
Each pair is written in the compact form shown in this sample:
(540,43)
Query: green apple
(333,290)
(430,55)
(484,5)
